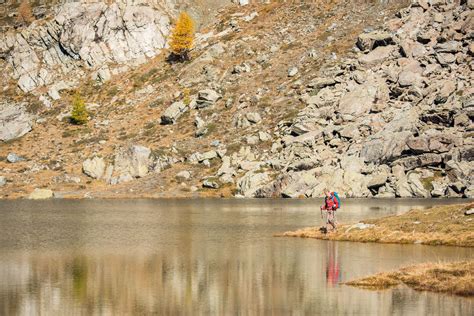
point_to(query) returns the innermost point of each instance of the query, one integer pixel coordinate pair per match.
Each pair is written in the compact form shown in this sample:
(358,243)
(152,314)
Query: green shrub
(79,113)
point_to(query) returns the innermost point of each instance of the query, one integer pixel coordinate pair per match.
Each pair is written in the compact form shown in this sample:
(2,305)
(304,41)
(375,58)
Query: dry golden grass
(440,225)
(453,278)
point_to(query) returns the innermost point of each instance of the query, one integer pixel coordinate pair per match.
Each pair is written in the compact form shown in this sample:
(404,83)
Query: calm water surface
(202,257)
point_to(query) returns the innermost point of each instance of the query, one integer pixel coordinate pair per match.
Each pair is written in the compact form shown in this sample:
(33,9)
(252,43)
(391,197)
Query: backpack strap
(334,200)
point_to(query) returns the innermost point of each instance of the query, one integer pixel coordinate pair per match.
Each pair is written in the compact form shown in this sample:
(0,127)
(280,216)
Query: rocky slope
(369,99)
(82,35)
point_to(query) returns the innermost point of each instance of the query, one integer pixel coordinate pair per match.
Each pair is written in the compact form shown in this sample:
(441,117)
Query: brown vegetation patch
(453,278)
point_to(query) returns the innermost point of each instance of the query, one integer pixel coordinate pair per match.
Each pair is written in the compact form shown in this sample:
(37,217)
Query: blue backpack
(335,195)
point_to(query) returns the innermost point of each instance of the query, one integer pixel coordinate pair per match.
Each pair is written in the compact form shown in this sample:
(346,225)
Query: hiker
(331,204)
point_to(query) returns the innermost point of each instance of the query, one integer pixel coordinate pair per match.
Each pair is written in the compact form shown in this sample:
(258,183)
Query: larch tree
(182,38)
(79,113)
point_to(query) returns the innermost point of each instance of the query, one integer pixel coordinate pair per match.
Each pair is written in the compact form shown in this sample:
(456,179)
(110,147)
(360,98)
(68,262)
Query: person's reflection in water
(333,269)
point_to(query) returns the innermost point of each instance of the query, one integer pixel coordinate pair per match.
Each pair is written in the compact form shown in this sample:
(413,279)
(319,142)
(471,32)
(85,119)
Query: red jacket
(330,203)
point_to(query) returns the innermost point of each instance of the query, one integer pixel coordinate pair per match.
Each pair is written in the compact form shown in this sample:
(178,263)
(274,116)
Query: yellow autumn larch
(182,37)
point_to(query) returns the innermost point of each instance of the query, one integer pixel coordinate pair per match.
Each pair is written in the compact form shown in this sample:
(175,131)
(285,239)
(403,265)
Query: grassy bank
(440,225)
(453,278)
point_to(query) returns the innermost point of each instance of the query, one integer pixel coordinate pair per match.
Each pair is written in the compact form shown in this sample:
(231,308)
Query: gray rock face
(439,188)
(389,143)
(385,146)
(134,161)
(173,112)
(94,167)
(300,184)
(433,141)
(424,160)
(84,34)
(251,182)
(15,121)
(3,181)
(361,100)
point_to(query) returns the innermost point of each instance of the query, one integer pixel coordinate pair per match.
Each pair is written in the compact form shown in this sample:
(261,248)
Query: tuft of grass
(453,278)
(113,91)
(211,127)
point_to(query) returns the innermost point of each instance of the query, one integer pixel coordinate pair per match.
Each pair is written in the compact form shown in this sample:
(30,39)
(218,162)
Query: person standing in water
(331,204)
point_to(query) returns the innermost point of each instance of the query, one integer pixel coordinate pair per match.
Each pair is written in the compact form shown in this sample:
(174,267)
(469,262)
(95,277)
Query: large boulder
(448,47)
(207,97)
(374,39)
(134,161)
(378,55)
(251,182)
(377,180)
(411,74)
(362,99)
(433,141)
(15,121)
(385,147)
(389,143)
(40,194)
(424,160)
(94,168)
(416,186)
(173,112)
(403,188)
(300,184)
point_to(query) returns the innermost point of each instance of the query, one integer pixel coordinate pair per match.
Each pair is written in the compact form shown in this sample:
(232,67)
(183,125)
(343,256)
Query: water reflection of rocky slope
(190,282)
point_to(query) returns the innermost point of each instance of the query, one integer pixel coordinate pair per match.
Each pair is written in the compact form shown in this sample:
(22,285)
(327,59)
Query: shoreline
(438,225)
(83,196)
